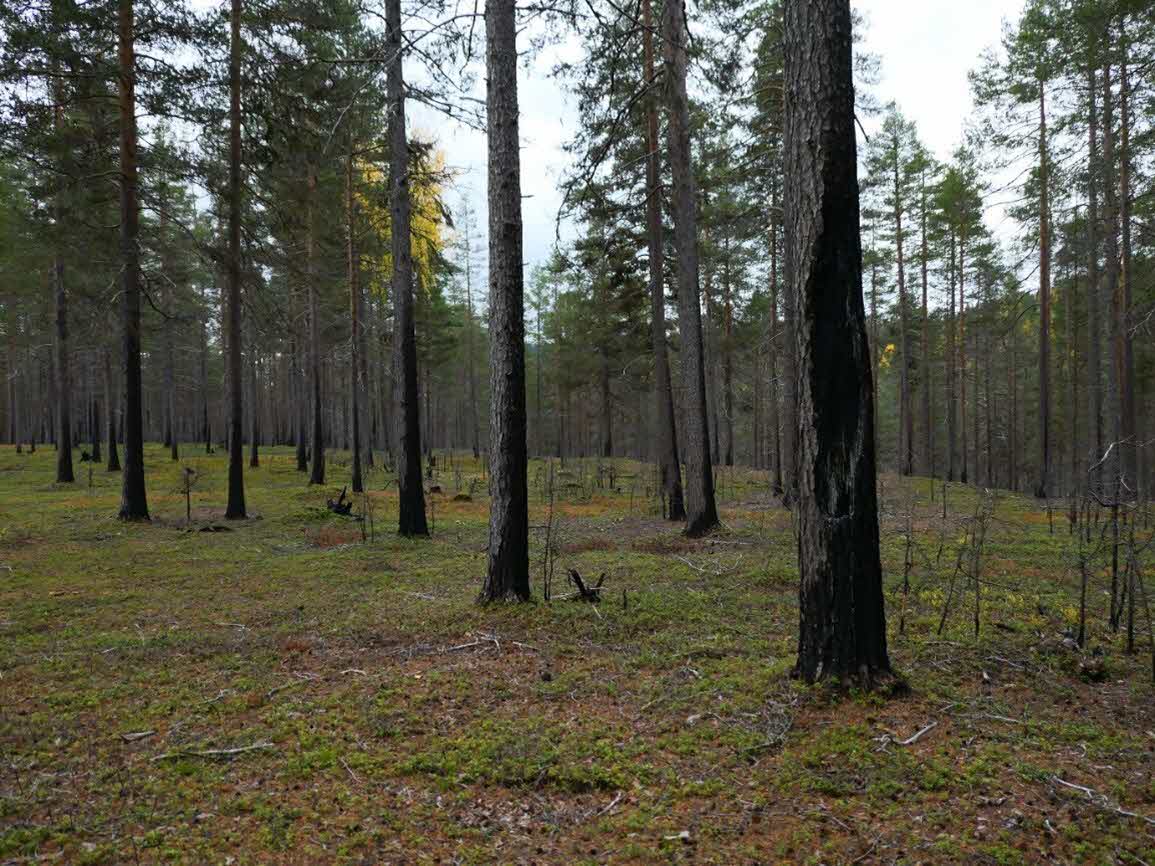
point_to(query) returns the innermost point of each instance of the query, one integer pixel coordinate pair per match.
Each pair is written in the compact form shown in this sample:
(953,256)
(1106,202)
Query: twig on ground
(215,753)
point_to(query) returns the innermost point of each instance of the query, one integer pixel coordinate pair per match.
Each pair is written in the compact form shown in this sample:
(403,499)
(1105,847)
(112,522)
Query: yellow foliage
(887,355)
(425,214)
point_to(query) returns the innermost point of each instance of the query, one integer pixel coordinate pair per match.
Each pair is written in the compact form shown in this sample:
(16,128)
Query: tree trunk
(1043,489)
(1131,448)
(354,322)
(962,356)
(772,421)
(133,500)
(842,626)
(701,511)
(254,410)
(1094,306)
(236,504)
(110,402)
(669,465)
(1111,236)
(951,371)
(411,493)
(906,416)
(927,428)
(727,360)
(507,574)
(317,435)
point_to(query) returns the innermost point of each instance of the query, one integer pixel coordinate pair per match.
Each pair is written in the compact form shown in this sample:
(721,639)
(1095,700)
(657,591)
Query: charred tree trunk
(507,574)
(133,500)
(317,428)
(842,627)
(411,493)
(701,511)
(236,504)
(355,322)
(669,465)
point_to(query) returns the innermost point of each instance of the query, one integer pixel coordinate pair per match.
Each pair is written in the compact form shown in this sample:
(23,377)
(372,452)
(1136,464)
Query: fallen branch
(215,753)
(1102,800)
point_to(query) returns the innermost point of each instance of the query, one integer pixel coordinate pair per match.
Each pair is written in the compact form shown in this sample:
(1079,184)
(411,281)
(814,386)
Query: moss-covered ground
(381,716)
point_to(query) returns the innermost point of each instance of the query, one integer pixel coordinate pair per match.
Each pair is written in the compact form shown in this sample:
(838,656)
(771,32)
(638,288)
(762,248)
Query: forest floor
(285,692)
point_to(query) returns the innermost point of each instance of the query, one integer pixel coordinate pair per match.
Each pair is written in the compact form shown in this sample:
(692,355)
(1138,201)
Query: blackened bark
(507,574)
(701,511)
(842,627)
(133,500)
(411,493)
(667,440)
(236,502)
(317,471)
(355,323)
(669,465)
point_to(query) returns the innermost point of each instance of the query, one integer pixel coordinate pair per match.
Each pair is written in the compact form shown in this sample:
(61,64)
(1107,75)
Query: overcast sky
(927,48)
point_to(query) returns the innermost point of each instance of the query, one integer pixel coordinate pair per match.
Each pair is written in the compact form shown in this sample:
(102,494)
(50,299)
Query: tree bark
(1043,488)
(669,464)
(1131,448)
(1094,304)
(842,626)
(235,509)
(133,500)
(773,421)
(507,574)
(355,347)
(906,416)
(411,516)
(113,464)
(701,511)
(927,428)
(317,435)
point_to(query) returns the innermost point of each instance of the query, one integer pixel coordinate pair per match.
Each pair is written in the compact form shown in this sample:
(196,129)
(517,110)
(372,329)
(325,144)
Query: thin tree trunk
(411,493)
(133,500)
(113,464)
(507,574)
(317,436)
(701,511)
(669,465)
(727,360)
(1043,488)
(906,434)
(235,509)
(842,626)
(1131,452)
(1094,305)
(773,421)
(951,370)
(356,359)
(927,429)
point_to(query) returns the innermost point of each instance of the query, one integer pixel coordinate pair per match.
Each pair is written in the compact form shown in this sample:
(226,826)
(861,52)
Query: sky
(927,47)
